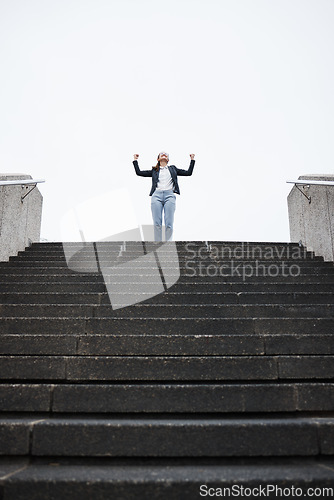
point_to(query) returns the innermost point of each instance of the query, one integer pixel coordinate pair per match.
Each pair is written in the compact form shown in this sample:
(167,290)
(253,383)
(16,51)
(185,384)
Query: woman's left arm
(180,171)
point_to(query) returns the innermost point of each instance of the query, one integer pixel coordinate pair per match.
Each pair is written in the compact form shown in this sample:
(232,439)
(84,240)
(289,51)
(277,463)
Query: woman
(164,187)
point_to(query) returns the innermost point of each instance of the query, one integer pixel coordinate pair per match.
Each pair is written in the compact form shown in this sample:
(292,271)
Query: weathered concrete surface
(313,223)
(20,222)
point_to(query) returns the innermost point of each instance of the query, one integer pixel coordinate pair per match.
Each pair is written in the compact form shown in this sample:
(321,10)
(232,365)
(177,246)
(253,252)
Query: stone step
(44,325)
(198,280)
(208,325)
(261,286)
(222,251)
(158,436)
(49,297)
(164,479)
(174,398)
(185,246)
(244,244)
(160,311)
(185,266)
(179,243)
(208,270)
(167,326)
(170,297)
(105,259)
(30,256)
(70,287)
(146,261)
(239,279)
(165,345)
(73,278)
(192,288)
(198,310)
(166,368)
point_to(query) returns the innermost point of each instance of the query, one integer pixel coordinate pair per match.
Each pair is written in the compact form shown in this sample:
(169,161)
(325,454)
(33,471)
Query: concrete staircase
(218,381)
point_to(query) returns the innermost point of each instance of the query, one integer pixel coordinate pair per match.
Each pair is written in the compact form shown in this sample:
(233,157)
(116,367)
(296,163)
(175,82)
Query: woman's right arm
(142,173)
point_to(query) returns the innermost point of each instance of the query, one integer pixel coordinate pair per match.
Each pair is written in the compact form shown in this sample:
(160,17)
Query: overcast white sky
(246,85)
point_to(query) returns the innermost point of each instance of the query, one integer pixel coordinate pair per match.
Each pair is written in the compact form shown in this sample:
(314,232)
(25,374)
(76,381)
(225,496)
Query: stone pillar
(20,221)
(312,223)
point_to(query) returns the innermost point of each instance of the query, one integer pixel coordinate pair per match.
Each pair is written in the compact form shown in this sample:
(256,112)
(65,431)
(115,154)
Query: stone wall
(312,222)
(20,221)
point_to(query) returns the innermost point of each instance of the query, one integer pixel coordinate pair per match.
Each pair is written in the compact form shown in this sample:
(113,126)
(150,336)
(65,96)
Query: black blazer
(174,172)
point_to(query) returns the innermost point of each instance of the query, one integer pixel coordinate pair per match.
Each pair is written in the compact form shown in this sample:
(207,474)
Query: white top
(165,179)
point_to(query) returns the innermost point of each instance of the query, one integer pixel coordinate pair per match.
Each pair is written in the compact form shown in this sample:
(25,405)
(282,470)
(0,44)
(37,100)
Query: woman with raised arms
(164,187)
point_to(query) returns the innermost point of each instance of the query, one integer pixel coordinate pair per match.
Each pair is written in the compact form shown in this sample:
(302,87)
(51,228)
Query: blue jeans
(163,200)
